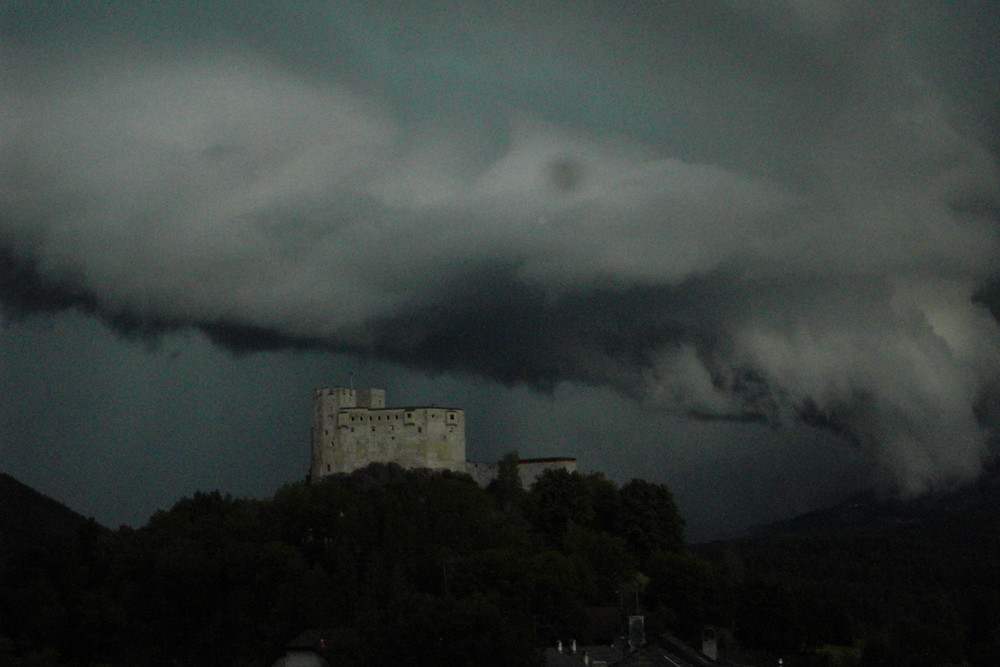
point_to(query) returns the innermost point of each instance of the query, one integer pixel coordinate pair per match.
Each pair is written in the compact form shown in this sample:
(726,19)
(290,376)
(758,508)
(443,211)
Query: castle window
(373,429)
(420,429)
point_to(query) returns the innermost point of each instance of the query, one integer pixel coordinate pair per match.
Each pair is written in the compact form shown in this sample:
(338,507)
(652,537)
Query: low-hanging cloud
(736,210)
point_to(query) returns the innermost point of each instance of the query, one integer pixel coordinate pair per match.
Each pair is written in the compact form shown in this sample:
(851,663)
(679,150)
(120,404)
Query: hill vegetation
(399,567)
(892,582)
(413,567)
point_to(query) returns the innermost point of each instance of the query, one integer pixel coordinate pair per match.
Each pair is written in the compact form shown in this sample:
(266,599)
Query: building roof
(596,655)
(297,658)
(309,649)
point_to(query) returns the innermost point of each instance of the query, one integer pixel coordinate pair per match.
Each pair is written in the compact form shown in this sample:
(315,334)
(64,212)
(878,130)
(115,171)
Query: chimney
(636,632)
(709,643)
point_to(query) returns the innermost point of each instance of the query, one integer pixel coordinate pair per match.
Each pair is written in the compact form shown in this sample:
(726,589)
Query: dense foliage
(397,567)
(903,593)
(413,567)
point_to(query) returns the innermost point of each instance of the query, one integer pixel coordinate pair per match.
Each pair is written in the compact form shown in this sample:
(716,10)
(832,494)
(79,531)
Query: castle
(353,427)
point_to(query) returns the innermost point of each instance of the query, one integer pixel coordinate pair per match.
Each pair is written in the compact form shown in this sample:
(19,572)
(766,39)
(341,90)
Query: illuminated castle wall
(352,428)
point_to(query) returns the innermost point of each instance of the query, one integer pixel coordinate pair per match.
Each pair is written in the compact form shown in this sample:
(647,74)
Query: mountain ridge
(968,514)
(29,518)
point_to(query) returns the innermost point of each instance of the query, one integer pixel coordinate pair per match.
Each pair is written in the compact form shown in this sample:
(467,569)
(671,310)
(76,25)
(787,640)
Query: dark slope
(906,582)
(965,517)
(29,518)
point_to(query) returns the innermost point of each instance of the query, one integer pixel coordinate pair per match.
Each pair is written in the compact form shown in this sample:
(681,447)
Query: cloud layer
(734,210)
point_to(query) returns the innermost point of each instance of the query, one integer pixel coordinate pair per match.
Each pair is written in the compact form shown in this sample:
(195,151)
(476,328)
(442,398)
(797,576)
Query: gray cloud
(730,210)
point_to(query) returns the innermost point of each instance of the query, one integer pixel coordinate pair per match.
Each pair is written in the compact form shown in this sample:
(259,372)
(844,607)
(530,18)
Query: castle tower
(371,398)
(352,428)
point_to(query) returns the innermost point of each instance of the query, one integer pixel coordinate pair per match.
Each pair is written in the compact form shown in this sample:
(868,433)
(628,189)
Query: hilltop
(29,518)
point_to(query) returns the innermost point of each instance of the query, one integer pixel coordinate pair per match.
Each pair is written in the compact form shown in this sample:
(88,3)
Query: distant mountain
(29,518)
(964,516)
(888,580)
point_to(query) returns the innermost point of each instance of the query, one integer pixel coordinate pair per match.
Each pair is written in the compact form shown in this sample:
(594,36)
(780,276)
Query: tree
(556,498)
(603,562)
(683,593)
(649,520)
(507,490)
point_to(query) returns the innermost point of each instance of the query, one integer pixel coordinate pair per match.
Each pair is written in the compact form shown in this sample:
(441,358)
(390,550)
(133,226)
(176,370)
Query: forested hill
(414,567)
(29,518)
(890,581)
(396,566)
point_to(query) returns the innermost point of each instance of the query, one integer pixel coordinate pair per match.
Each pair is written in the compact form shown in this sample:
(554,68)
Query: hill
(965,516)
(29,518)
(901,582)
(402,566)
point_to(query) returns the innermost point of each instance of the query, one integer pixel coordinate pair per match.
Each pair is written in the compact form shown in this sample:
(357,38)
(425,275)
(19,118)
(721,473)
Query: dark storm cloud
(733,210)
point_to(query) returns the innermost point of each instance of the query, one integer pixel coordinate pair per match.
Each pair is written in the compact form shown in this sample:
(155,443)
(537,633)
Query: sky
(745,249)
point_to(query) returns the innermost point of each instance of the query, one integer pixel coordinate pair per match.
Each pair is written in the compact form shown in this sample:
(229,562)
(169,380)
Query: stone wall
(528,470)
(352,428)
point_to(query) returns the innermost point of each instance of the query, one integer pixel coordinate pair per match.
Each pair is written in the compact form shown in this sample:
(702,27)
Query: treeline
(921,595)
(413,567)
(397,567)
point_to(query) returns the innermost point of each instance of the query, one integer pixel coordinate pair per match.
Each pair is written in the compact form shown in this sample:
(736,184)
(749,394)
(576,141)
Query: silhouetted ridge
(29,518)
(968,514)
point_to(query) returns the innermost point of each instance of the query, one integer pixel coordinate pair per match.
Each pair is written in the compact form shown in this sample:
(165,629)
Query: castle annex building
(352,428)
